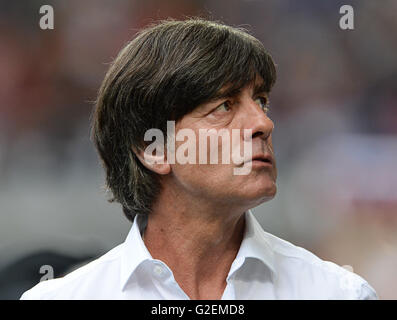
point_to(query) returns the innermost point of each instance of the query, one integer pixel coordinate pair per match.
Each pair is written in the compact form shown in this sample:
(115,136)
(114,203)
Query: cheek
(203,179)
(201,149)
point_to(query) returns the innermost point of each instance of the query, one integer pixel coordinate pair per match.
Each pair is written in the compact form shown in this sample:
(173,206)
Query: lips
(263,158)
(259,159)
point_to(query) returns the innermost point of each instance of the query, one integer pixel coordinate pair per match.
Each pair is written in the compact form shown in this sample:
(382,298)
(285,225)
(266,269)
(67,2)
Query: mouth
(261,160)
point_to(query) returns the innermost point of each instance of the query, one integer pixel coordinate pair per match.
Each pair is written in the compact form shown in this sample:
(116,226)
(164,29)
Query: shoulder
(82,283)
(313,277)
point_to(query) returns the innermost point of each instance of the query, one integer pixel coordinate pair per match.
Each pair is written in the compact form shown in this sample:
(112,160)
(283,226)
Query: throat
(199,255)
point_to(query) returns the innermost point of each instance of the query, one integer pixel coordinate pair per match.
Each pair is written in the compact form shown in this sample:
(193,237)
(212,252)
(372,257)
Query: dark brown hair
(163,74)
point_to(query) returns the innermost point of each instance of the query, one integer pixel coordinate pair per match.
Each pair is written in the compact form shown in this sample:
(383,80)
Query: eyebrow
(233,92)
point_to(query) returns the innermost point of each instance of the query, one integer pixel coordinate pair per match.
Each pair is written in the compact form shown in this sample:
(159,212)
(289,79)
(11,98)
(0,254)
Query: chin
(269,193)
(262,194)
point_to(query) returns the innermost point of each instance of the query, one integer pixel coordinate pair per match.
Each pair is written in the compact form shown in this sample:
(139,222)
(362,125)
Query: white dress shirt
(266,267)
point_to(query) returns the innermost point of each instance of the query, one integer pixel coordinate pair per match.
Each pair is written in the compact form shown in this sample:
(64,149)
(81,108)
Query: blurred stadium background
(334,108)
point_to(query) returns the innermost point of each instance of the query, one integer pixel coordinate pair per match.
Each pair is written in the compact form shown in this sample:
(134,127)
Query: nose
(258,121)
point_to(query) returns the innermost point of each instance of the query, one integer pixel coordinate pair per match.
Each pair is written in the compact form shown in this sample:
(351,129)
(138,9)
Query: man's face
(219,182)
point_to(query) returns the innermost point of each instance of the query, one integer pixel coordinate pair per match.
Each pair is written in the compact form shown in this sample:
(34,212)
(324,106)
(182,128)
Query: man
(193,235)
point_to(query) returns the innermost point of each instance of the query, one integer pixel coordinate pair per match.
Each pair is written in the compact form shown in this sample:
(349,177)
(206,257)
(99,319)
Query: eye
(263,102)
(224,107)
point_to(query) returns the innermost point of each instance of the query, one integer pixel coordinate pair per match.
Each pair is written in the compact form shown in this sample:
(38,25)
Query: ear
(156,162)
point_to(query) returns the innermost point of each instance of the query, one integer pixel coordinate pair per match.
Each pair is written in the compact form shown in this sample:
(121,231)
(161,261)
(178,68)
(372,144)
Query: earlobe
(156,163)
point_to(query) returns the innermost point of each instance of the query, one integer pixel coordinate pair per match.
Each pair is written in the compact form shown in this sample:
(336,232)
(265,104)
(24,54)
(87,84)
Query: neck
(198,243)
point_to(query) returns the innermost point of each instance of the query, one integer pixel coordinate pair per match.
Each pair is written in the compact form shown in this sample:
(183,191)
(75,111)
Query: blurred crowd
(334,107)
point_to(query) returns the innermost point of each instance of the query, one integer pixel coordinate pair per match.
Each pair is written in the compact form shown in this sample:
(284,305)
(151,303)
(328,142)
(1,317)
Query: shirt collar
(134,250)
(254,245)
